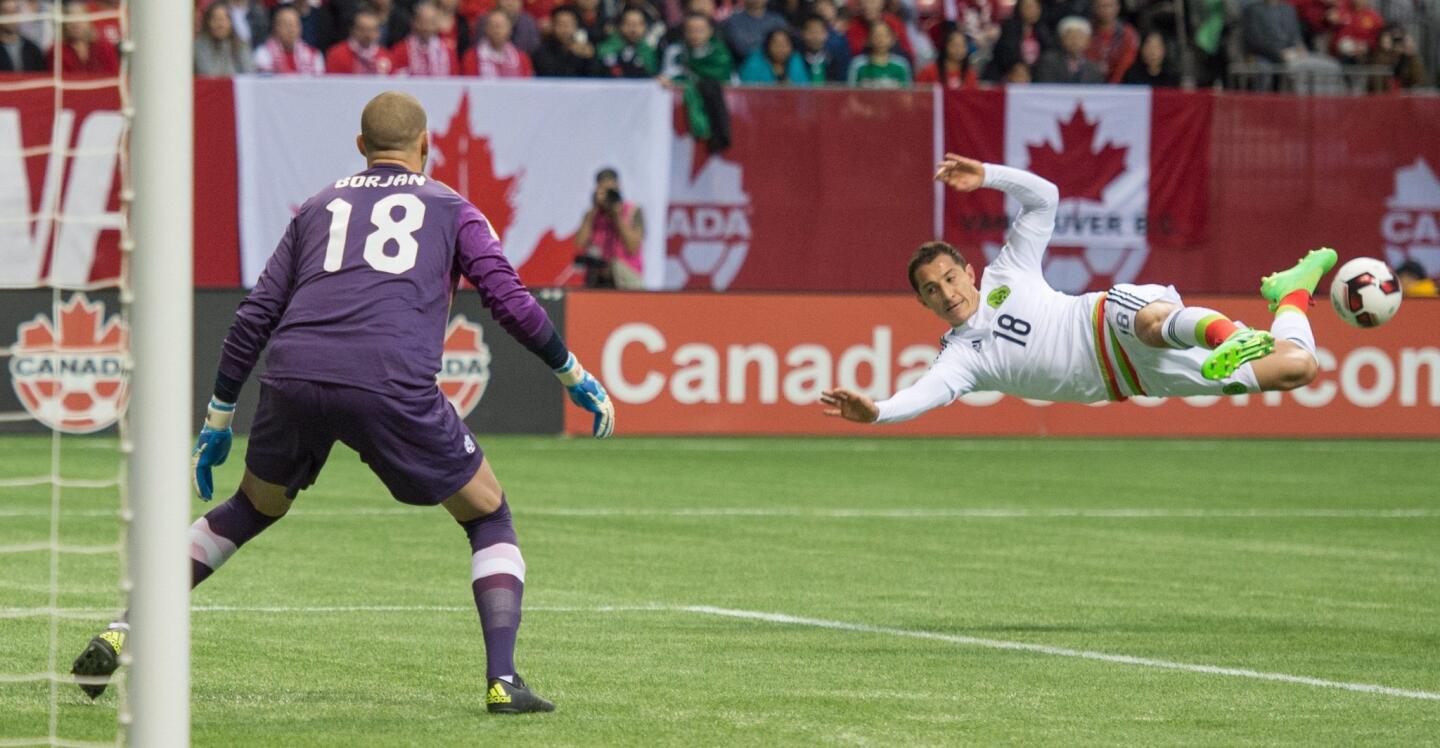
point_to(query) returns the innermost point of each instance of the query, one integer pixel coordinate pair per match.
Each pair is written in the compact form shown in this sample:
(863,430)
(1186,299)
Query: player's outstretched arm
(211,448)
(256,318)
(1038,197)
(947,379)
(587,392)
(482,261)
(850,405)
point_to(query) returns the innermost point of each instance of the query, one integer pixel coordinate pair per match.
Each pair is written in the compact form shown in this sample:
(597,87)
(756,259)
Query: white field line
(820,513)
(861,628)
(781,618)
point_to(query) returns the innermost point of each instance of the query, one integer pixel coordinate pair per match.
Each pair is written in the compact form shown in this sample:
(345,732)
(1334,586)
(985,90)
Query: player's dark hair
(607,173)
(927,254)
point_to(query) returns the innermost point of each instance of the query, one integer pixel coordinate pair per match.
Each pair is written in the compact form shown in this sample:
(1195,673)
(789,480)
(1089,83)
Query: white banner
(1094,143)
(525,152)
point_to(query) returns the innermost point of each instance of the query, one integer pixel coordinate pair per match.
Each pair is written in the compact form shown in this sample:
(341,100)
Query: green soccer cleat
(1243,346)
(98,662)
(514,698)
(1304,276)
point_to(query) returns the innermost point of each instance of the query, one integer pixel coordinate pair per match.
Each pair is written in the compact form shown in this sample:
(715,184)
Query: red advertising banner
(818,190)
(64,153)
(689,363)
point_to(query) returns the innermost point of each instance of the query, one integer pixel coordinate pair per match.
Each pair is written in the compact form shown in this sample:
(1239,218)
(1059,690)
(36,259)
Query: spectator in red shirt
(452,27)
(423,53)
(1359,32)
(1319,17)
(362,53)
(494,55)
(83,50)
(1113,43)
(870,11)
(285,52)
(108,28)
(952,69)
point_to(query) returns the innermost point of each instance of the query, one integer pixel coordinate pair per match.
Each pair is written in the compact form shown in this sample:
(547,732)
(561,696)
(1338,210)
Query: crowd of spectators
(870,43)
(88,42)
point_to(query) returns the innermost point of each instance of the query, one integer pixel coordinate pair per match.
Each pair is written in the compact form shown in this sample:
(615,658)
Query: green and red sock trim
(1214,329)
(1298,300)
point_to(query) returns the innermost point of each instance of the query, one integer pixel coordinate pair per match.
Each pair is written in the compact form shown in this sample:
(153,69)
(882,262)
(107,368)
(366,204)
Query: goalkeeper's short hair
(392,121)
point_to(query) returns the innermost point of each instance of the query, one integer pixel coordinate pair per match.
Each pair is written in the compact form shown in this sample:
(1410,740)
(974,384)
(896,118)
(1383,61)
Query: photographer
(610,236)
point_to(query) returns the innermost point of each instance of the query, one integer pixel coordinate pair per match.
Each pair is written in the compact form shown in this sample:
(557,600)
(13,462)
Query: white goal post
(161,260)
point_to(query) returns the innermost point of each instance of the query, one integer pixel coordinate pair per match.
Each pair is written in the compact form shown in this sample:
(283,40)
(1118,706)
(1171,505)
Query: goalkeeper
(353,306)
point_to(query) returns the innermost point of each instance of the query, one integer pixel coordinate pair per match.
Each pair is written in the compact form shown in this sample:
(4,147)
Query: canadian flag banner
(525,153)
(1131,165)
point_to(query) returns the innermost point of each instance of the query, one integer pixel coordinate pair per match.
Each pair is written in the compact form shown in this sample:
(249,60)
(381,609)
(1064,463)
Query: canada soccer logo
(1411,224)
(464,365)
(707,231)
(71,376)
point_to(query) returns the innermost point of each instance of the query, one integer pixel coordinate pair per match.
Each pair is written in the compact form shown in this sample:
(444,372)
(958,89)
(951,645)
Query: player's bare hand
(960,173)
(850,405)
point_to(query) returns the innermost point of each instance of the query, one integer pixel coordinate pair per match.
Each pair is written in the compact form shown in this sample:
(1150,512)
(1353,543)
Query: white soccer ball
(1365,292)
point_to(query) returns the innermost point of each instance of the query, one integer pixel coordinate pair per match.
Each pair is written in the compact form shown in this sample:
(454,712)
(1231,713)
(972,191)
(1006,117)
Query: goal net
(67,302)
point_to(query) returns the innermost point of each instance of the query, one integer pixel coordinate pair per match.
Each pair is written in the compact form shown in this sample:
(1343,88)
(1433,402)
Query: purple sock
(497,574)
(215,537)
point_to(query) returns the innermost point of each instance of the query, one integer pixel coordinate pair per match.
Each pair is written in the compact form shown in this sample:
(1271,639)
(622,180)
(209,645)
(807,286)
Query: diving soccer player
(1014,334)
(353,306)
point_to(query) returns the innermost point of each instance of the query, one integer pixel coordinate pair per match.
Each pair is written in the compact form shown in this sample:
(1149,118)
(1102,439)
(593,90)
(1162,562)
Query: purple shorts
(417,446)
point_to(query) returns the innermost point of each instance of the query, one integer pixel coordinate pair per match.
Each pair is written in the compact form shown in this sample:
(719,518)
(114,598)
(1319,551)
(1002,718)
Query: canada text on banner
(525,153)
(756,364)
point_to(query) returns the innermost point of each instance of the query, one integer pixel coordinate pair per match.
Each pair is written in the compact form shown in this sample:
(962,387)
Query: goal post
(161,260)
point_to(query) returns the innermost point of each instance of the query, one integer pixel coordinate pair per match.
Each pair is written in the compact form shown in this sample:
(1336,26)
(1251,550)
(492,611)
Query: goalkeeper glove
(587,392)
(212,447)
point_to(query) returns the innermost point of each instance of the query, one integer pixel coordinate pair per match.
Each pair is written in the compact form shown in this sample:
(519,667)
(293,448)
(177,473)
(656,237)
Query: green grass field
(802,592)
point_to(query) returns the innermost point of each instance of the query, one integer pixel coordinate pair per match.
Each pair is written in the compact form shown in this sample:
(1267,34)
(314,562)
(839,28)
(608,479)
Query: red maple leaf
(83,327)
(464,161)
(1077,169)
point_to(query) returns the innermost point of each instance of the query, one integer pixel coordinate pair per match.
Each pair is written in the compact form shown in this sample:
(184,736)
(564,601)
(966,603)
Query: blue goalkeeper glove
(212,448)
(587,392)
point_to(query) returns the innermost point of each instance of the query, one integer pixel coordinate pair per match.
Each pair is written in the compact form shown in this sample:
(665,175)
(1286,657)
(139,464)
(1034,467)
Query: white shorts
(1160,372)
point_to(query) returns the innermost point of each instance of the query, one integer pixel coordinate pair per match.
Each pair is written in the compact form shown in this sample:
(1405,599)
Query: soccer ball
(1365,293)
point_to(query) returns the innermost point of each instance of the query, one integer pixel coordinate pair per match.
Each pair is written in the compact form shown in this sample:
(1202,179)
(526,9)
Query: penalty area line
(971,641)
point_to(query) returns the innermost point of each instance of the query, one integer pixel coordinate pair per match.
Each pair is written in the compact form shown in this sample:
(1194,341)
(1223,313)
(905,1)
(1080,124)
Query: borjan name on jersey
(388,180)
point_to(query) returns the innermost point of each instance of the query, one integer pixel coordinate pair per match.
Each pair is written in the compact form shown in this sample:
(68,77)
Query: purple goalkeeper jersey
(358,291)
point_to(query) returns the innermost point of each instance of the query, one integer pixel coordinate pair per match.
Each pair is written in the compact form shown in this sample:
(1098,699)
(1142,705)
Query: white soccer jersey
(1026,338)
